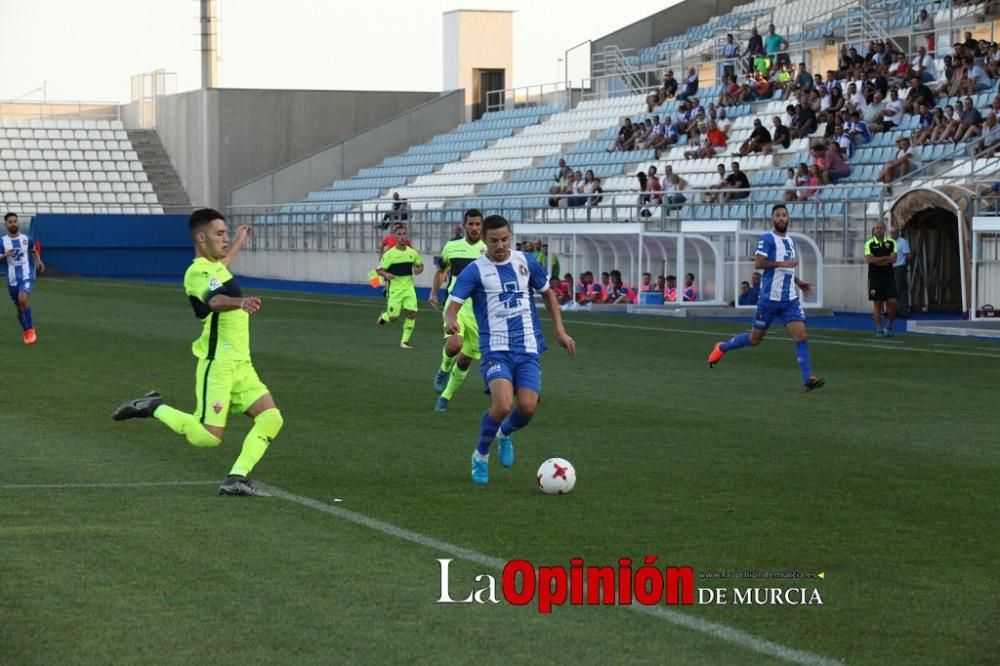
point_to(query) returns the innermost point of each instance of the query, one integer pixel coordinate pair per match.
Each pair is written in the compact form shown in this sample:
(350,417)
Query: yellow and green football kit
(455,256)
(225,378)
(402,294)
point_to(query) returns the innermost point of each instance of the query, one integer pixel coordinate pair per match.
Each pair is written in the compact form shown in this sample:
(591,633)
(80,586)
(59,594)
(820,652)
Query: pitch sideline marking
(720,631)
(723,632)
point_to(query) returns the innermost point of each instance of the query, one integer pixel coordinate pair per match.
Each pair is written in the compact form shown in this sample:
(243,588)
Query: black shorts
(881,287)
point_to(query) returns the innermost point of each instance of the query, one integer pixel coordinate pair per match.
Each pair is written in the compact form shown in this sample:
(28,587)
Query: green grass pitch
(886,480)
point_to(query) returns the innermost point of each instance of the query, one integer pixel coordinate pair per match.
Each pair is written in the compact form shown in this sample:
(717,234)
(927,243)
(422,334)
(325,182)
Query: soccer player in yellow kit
(463,348)
(225,379)
(397,267)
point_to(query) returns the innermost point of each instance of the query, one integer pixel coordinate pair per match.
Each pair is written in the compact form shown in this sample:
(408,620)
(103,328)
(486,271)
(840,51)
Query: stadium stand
(72,166)
(508,160)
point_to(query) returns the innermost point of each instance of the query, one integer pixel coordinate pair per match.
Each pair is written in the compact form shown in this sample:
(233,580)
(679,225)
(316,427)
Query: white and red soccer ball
(556,476)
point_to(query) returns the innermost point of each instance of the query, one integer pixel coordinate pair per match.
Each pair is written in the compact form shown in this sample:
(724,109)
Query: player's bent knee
(270,422)
(463,362)
(202,438)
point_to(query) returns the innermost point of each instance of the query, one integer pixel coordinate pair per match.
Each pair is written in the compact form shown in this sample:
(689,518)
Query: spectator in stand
(733,93)
(755,45)
(872,115)
(858,130)
(946,125)
(596,192)
(783,80)
(738,185)
(558,288)
(956,79)
(655,134)
(812,183)
(990,137)
(689,293)
(923,66)
(775,45)
(919,93)
(907,161)
(400,211)
(835,168)
(899,70)
(670,290)
(925,24)
(791,185)
(970,122)
(762,65)
(855,101)
(560,170)
(845,142)
(668,88)
(625,139)
(643,188)
(730,52)
(759,138)
(642,131)
(655,187)
(979,80)
(673,191)
(721,183)
(835,105)
(579,191)
(892,115)
(804,82)
(690,85)
(805,122)
(715,140)
(928,121)
(781,138)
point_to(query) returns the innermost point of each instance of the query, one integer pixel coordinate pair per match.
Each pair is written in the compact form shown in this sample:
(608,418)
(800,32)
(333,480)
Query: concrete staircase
(156,162)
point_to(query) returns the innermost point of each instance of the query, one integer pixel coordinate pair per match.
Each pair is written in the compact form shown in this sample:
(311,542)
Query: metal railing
(834,220)
(50,110)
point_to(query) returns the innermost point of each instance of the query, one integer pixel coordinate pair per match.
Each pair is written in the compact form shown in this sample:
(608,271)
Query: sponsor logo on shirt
(214,284)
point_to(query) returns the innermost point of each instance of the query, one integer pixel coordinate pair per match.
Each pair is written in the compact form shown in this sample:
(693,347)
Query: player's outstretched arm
(39,264)
(552,305)
(242,232)
(221,303)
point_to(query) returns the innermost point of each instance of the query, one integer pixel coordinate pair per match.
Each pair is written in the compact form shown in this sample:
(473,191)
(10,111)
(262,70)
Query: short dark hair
(777,206)
(689,275)
(202,218)
(744,283)
(672,277)
(396,227)
(495,222)
(472,212)
(9,215)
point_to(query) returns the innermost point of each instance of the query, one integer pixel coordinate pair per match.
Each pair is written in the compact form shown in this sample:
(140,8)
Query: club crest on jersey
(217,407)
(214,284)
(523,270)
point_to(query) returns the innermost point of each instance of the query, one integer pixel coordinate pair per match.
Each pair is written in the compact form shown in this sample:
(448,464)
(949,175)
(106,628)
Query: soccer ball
(556,476)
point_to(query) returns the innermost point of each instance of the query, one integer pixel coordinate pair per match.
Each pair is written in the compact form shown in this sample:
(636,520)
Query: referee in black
(880,253)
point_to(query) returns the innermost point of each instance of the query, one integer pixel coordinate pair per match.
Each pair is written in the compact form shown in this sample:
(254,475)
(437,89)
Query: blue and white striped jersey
(18,265)
(777,284)
(502,302)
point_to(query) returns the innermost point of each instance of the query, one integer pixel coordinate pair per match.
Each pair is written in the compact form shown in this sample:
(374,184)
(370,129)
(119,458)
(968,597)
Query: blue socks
(514,421)
(802,356)
(741,340)
(25,318)
(487,431)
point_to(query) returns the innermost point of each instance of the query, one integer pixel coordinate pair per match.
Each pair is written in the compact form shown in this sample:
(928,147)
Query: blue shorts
(14,289)
(768,311)
(521,370)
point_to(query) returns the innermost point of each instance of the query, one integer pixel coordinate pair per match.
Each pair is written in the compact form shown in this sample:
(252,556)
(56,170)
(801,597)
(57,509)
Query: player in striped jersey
(16,249)
(501,284)
(461,349)
(779,298)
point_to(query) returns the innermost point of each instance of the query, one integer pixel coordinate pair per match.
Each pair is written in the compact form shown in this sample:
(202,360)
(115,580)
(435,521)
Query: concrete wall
(341,160)
(239,134)
(667,23)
